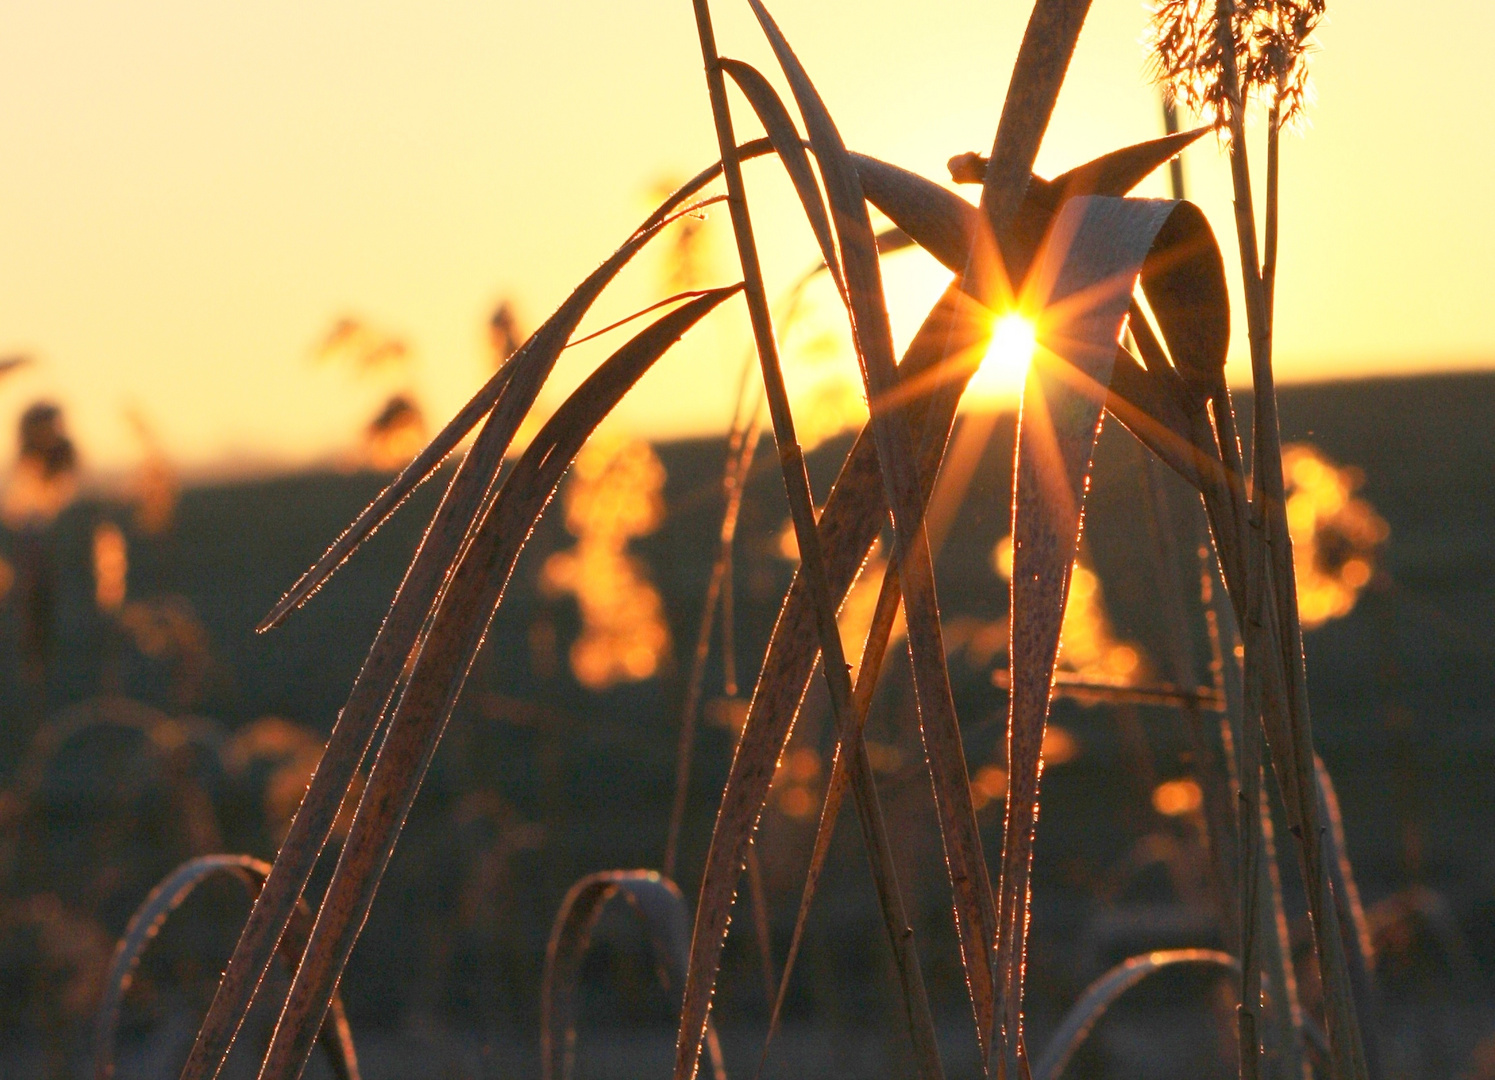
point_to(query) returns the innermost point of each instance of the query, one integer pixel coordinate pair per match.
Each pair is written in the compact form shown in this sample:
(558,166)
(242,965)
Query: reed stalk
(812,564)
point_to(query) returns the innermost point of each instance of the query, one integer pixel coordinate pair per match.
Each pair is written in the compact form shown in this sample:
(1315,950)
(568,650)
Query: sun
(1000,376)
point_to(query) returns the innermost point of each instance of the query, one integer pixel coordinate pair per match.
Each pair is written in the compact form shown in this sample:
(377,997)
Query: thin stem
(1271,558)
(1213,781)
(740,449)
(1285,1031)
(1269,261)
(1175,163)
(812,565)
(688,294)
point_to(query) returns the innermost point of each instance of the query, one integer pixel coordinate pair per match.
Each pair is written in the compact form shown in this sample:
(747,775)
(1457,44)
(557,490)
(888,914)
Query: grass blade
(850,757)
(1350,912)
(368,700)
(147,922)
(658,903)
(1105,991)
(974,909)
(1042,61)
(935,218)
(734,483)
(532,355)
(1085,274)
(467,605)
(791,150)
(714,907)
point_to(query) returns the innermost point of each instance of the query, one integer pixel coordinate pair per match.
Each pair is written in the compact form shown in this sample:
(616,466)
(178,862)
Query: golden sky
(193,192)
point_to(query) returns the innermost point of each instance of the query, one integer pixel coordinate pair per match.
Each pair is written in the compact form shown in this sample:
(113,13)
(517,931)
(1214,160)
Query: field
(540,779)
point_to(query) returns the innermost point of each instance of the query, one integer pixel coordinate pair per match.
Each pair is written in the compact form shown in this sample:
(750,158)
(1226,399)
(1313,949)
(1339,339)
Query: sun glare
(1003,368)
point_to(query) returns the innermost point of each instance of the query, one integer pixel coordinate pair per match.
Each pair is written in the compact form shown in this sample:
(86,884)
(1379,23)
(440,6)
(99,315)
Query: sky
(194,191)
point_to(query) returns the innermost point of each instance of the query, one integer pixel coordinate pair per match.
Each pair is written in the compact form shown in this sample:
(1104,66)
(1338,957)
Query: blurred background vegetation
(144,722)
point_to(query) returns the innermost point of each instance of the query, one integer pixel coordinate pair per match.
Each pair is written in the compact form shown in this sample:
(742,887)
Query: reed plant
(1130,310)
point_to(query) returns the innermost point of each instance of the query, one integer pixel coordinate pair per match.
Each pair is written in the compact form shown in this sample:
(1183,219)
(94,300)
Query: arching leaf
(659,906)
(151,916)
(1106,991)
(458,625)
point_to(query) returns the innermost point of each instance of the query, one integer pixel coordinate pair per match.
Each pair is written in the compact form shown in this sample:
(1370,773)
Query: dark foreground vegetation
(152,741)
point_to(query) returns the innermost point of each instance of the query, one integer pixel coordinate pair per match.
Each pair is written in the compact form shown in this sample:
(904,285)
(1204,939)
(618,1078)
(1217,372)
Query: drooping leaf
(1100,995)
(458,625)
(658,903)
(935,218)
(351,736)
(848,526)
(151,916)
(890,423)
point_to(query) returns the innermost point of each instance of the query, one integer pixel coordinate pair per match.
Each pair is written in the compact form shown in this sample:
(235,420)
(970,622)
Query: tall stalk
(812,565)
(1271,578)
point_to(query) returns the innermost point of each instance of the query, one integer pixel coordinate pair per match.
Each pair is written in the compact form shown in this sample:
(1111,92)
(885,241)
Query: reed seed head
(1271,41)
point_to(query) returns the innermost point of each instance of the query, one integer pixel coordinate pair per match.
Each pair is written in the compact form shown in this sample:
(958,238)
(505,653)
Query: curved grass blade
(659,905)
(1105,991)
(890,422)
(147,922)
(1115,173)
(715,909)
(435,683)
(945,225)
(848,526)
(1097,249)
(426,462)
(375,685)
(791,150)
(935,218)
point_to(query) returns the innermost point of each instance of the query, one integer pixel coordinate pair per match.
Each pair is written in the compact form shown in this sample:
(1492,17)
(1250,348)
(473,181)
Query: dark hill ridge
(1425,444)
(1400,688)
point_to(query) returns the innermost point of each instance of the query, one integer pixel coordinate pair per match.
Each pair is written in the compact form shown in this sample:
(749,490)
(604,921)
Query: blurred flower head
(45,479)
(395,435)
(1336,535)
(274,759)
(167,629)
(363,347)
(688,254)
(156,486)
(111,566)
(616,493)
(504,334)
